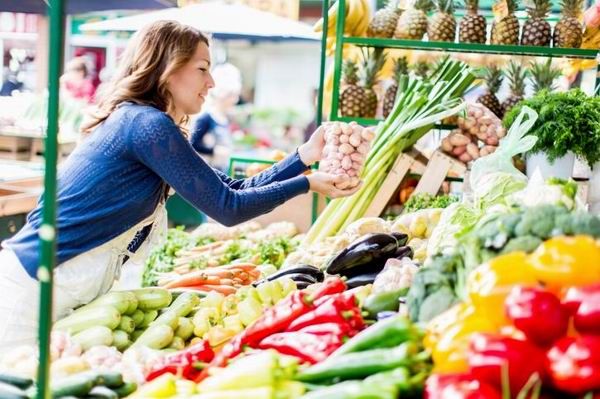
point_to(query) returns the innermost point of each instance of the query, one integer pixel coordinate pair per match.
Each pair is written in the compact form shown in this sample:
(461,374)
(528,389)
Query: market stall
(454,272)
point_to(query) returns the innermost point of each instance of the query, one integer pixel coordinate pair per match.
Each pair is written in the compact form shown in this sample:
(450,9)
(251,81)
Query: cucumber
(110,379)
(126,389)
(120,300)
(137,317)
(17,381)
(121,340)
(127,324)
(8,391)
(77,385)
(106,316)
(133,304)
(185,328)
(94,336)
(149,317)
(152,298)
(184,304)
(101,392)
(157,336)
(169,318)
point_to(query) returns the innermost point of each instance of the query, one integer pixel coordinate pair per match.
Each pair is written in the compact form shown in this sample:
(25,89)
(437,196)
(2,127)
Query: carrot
(218,273)
(192,279)
(223,289)
(226,281)
(241,266)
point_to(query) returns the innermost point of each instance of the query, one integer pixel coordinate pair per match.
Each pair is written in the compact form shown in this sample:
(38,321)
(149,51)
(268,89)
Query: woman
(112,189)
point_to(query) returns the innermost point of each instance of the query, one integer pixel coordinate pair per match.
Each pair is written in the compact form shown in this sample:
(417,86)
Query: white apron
(76,282)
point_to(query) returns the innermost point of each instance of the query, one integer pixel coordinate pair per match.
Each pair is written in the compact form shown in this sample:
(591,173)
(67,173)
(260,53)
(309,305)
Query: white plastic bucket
(561,167)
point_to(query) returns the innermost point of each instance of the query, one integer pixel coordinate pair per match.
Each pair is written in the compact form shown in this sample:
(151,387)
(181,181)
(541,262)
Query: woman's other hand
(324,183)
(312,151)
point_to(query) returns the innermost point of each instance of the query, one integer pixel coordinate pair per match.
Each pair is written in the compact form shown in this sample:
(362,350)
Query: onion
(346,149)
(344,138)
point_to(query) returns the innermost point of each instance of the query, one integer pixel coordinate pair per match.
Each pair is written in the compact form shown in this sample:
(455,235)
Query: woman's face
(190,84)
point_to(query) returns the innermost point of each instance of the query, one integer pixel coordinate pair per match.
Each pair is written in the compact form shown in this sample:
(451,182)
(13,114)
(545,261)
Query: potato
(334,163)
(465,158)
(492,140)
(363,148)
(367,134)
(357,157)
(346,162)
(459,140)
(473,150)
(356,165)
(459,150)
(355,139)
(501,132)
(344,138)
(446,146)
(351,172)
(483,128)
(346,129)
(346,149)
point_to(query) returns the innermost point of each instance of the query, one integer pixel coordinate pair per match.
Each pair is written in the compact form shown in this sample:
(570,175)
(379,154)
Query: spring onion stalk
(419,105)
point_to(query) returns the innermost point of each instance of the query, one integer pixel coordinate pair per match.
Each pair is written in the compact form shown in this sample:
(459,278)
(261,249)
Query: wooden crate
(436,171)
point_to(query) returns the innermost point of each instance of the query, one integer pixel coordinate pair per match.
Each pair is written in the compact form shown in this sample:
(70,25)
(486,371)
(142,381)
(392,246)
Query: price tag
(500,10)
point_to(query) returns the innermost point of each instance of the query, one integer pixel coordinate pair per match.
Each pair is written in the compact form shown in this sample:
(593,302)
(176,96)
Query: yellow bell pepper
(565,261)
(161,387)
(490,283)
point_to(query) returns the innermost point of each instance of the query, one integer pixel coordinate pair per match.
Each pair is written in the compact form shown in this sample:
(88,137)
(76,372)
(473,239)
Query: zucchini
(184,304)
(136,334)
(8,391)
(157,336)
(17,381)
(106,316)
(120,300)
(137,317)
(178,343)
(127,324)
(94,336)
(169,318)
(149,317)
(133,304)
(76,385)
(152,298)
(121,340)
(185,328)
(110,379)
(126,389)
(101,392)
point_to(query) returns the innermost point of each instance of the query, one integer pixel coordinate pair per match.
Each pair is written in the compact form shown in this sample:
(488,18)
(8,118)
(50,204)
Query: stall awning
(83,6)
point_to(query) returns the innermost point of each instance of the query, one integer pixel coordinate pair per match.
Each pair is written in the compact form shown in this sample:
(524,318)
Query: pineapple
(442,26)
(472,26)
(352,96)
(385,20)
(400,68)
(536,30)
(412,24)
(421,69)
(516,78)
(543,75)
(568,31)
(506,30)
(369,73)
(493,78)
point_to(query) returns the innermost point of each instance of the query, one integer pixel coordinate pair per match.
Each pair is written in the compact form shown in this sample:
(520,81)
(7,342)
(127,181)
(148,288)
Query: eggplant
(401,238)
(298,277)
(302,285)
(303,269)
(364,269)
(373,248)
(403,252)
(361,279)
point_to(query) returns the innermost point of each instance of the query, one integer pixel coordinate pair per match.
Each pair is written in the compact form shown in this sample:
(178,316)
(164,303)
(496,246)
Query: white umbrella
(224,20)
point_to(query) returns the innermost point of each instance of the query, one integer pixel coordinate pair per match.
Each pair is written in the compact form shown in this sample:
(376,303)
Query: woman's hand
(324,183)
(312,151)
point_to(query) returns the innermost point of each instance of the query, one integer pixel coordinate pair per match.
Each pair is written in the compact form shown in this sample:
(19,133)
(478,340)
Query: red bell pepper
(338,309)
(573,364)
(489,354)
(308,347)
(458,386)
(584,305)
(277,319)
(339,330)
(538,313)
(187,363)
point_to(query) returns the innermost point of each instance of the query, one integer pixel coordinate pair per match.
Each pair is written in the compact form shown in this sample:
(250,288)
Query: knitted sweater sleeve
(155,141)
(287,168)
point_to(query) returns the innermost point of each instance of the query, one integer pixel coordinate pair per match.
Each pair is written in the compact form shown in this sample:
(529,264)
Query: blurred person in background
(10,84)
(211,131)
(76,81)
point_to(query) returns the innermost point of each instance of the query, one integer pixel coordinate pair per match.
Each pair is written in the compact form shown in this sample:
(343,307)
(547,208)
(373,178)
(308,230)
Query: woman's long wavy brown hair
(151,57)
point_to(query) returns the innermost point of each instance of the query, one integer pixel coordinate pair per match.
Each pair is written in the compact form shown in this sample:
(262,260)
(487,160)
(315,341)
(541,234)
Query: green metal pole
(47,229)
(337,61)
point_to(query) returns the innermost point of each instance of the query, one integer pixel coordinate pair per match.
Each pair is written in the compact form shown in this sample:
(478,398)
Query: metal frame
(434,46)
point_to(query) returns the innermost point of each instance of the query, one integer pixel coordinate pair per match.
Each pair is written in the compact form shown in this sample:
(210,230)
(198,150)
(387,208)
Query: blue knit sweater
(117,176)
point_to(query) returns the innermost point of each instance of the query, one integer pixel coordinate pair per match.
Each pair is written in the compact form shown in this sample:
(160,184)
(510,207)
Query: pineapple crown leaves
(539,8)
(571,8)
(472,6)
(400,67)
(543,75)
(492,76)
(516,78)
(423,5)
(445,6)
(512,6)
(372,63)
(350,72)
(421,69)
